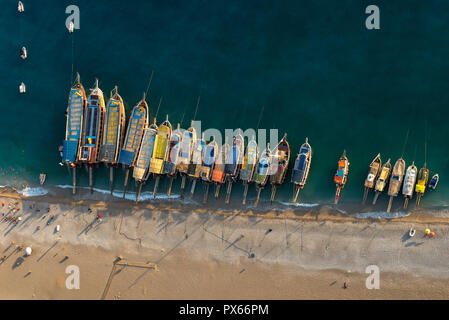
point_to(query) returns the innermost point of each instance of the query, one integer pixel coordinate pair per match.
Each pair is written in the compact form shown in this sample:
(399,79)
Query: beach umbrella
(28,251)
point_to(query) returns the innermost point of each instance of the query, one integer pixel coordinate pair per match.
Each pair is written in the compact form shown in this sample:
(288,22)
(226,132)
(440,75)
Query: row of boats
(396,177)
(96,133)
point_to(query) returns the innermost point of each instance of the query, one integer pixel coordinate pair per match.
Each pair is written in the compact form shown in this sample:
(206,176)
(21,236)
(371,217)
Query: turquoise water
(312,64)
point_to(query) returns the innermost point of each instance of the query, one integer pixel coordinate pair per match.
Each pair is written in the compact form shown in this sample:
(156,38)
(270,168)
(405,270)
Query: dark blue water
(313,65)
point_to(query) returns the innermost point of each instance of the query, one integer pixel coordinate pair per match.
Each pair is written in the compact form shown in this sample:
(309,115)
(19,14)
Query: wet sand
(216,254)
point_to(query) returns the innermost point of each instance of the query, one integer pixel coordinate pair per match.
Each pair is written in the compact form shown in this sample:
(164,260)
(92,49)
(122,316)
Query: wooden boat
(262,172)
(74,127)
(382,180)
(279,164)
(409,183)
(20,7)
(171,163)
(185,154)
(423,177)
(373,173)
(138,121)
(141,168)
(42,177)
(248,166)
(218,174)
(113,130)
(397,175)
(92,130)
(341,176)
(234,161)
(301,167)
(434,181)
(194,168)
(160,152)
(209,157)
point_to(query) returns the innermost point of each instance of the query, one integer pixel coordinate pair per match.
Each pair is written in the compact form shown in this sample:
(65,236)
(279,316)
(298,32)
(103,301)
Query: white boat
(42,177)
(22,88)
(409,183)
(20,7)
(23,53)
(71,26)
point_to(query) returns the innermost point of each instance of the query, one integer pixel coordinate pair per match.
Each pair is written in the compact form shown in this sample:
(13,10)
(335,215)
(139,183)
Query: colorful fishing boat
(113,130)
(409,183)
(382,180)
(373,173)
(248,166)
(171,164)
(209,157)
(341,176)
(423,177)
(234,161)
(397,175)
(279,163)
(138,121)
(92,130)
(185,154)
(74,126)
(218,174)
(262,172)
(434,181)
(194,169)
(301,167)
(160,152)
(141,170)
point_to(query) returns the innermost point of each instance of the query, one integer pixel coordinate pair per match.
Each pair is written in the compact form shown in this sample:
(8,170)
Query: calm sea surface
(313,65)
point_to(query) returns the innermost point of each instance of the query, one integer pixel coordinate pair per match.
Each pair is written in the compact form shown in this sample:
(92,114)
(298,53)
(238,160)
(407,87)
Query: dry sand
(215,254)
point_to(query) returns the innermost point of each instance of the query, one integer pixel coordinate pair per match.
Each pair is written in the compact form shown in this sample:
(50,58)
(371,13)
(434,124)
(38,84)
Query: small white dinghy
(42,177)
(23,53)
(22,88)
(20,7)
(71,26)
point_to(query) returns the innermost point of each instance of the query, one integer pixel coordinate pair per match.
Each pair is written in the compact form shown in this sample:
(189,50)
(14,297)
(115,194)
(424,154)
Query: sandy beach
(211,253)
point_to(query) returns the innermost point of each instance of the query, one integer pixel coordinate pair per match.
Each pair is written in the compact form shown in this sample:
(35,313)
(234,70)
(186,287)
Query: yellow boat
(160,151)
(420,188)
(382,180)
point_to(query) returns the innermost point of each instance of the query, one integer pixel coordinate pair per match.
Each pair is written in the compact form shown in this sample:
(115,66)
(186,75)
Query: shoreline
(305,253)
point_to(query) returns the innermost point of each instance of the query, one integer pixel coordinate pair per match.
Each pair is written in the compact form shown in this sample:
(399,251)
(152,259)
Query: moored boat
(185,154)
(92,130)
(209,157)
(160,152)
(218,174)
(301,167)
(142,164)
(23,53)
(341,176)
(409,183)
(194,168)
(234,161)
(113,130)
(74,127)
(373,173)
(279,165)
(423,177)
(434,181)
(262,172)
(171,164)
(397,176)
(20,7)
(248,166)
(138,121)
(382,180)
(42,178)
